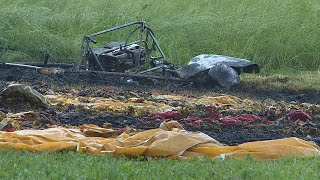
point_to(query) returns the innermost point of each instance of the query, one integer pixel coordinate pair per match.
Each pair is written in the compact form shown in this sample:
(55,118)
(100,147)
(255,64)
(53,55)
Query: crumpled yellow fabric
(135,106)
(162,103)
(139,106)
(172,142)
(91,130)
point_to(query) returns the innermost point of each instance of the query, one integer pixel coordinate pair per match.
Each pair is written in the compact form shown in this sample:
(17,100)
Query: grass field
(71,165)
(275,34)
(280,35)
(283,81)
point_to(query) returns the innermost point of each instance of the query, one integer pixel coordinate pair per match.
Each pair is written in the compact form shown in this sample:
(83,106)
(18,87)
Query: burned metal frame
(143,27)
(60,68)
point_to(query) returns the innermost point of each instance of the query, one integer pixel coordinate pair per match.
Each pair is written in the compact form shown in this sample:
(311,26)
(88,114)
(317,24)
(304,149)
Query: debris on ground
(144,59)
(229,119)
(222,70)
(243,118)
(22,94)
(103,107)
(170,140)
(298,115)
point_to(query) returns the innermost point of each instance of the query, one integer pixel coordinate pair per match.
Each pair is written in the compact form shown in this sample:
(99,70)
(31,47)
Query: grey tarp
(219,69)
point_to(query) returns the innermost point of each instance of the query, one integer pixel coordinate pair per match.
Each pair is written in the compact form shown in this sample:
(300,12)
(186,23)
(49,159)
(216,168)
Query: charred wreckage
(139,55)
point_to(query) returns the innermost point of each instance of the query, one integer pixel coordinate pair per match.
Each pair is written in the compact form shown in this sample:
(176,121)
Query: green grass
(278,34)
(275,34)
(287,80)
(71,165)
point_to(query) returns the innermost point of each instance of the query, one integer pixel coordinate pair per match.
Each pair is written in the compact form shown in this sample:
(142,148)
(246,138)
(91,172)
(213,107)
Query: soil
(120,88)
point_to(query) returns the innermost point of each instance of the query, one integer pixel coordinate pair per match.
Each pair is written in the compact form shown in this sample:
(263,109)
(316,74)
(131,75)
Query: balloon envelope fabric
(170,140)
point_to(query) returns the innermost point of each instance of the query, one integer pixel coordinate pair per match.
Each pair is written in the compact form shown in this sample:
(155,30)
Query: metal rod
(115,28)
(158,46)
(41,64)
(21,65)
(137,61)
(98,72)
(128,75)
(95,57)
(151,69)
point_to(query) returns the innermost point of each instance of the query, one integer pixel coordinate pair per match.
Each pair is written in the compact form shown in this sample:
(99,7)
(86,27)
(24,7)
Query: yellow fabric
(173,142)
(160,103)
(134,106)
(92,130)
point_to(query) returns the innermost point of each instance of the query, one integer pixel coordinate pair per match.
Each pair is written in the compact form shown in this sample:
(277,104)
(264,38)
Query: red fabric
(249,118)
(243,118)
(123,130)
(298,115)
(227,120)
(169,114)
(215,116)
(214,113)
(196,123)
(230,120)
(10,130)
(191,119)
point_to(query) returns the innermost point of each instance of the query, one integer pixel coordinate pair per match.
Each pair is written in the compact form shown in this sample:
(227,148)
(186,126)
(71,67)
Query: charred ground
(118,88)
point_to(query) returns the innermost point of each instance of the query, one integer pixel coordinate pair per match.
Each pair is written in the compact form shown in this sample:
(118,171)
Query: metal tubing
(21,65)
(115,28)
(151,69)
(128,75)
(41,64)
(157,44)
